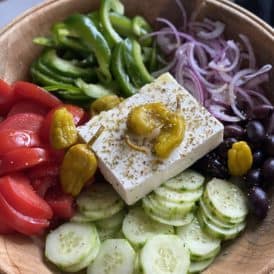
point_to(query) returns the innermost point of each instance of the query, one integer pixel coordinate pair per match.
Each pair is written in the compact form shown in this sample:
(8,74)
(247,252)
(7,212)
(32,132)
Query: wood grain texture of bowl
(253,252)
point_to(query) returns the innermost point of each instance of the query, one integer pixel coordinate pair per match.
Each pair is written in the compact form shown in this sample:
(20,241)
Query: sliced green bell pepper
(85,29)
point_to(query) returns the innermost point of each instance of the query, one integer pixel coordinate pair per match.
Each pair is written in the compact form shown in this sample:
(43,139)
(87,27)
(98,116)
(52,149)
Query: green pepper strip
(119,72)
(66,68)
(105,8)
(63,38)
(141,27)
(95,18)
(94,40)
(93,90)
(136,69)
(44,41)
(121,24)
(41,67)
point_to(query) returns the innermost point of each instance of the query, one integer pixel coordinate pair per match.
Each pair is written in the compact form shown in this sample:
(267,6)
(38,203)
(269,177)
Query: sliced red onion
(221,89)
(217,32)
(167,68)
(262,111)
(193,62)
(219,112)
(259,96)
(252,59)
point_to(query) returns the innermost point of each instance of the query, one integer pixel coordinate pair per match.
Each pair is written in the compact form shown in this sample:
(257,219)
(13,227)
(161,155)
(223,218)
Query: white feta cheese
(134,174)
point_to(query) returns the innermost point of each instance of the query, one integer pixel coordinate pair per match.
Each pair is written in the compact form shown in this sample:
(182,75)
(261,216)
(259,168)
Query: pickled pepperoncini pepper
(143,120)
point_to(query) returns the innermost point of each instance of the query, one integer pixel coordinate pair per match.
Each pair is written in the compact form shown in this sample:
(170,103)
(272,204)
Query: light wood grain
(253,252)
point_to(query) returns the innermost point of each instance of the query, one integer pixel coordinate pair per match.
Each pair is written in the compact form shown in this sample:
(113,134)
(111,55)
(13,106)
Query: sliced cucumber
(227,200)
(197,267)
(100,196)
(86,261)
(179,196)
(104,213)
(164,254)
(166,208)
(187,180)
(169,221)
(115,257)
(138,227)
(80,218)
(218,232)
(200,245)
(113,222)
(71,243)
(107,233)
(209,215)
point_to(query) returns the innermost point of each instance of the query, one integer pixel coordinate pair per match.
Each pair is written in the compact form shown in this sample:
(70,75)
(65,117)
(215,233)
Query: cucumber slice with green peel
(210,216)
(116,256)
(107,233)
(80,218)
(104,213)
(197,267)
(70,244)
(138,227)
(179,196)
(86,261)
(164,254)
(100,196)
(227,200)
(113,222)
(200,244)
(174,222)
(218,232)
(186,180)
(168,208)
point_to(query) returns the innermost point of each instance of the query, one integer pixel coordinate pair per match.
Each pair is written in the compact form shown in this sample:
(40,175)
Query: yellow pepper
(144,119)
(105,103)
(63,133)
(78,167)
(240,158)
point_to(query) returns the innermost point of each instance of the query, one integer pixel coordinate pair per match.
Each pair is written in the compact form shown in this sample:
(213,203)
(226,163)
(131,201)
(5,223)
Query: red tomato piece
(62,204)
(22,158)
(35,93)
(43,184)
(7,97)
(28,106)
(11,139)
(18,192)
(23,121)
(4,227)
(46,169)
(77,112)
(20,222)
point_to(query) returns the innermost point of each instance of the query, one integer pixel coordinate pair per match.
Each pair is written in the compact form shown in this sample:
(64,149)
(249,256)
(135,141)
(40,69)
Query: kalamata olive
(225,146)
(268,169)
(269,145)
(258,202)
(263,111)
(212,165)
(254,177)
(255,131)
(233,131)
(258,158)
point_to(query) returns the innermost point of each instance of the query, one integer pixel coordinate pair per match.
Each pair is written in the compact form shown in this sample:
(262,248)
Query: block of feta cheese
(133,173)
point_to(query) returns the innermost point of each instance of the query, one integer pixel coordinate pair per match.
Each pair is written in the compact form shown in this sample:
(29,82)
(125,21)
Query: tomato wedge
(7,97)
(43,184)
(31,91)
(46,169)
(22,158)
(4,227)
(23,121)
(77,112)
(11,139)
(18,192)
(28,106)
(20,222)
(62,204)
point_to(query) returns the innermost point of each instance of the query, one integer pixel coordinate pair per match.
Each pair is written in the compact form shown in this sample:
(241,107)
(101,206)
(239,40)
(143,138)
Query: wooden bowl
(253,252)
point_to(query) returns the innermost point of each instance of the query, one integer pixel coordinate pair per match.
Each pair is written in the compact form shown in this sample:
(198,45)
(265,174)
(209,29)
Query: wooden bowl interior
(253,252)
